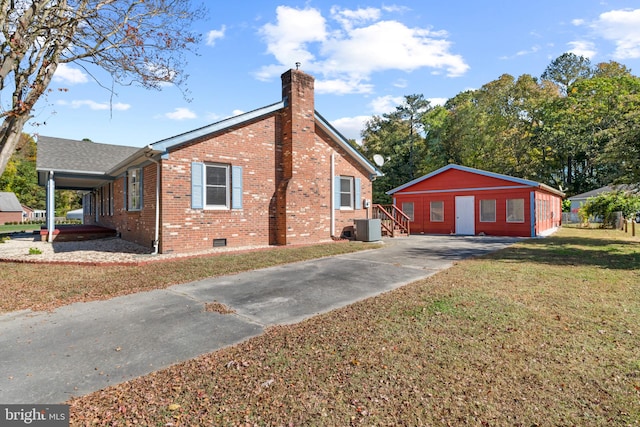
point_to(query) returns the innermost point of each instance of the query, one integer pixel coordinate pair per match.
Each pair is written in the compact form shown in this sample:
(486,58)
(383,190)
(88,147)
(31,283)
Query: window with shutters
(216,186)
(217,191)
(346,192)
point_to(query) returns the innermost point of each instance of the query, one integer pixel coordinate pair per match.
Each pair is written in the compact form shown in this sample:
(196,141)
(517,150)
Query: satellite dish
(378,159)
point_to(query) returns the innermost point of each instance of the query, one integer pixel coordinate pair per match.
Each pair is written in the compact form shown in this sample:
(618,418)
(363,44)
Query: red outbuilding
(461,200)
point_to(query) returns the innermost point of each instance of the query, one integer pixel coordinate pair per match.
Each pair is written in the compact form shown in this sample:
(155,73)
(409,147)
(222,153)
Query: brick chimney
(297,187)
(298,116)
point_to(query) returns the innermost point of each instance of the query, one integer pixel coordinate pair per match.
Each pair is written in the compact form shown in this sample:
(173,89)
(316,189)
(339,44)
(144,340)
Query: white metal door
(465,215)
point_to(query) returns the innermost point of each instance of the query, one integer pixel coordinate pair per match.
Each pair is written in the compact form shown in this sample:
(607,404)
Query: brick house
(461,200)
(10,208)
(278,175)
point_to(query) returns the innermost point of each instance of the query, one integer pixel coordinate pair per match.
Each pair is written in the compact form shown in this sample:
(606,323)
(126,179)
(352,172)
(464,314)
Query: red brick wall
(287,183)
(10,217)
(134,226)
(254,148)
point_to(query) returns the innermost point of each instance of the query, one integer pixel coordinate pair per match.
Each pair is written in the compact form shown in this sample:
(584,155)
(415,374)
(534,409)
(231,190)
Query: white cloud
(345,55)
(622,27)
(287,40)
(351,127)
(66,74)
(214,35)
(583,48)
(401,83)
(578,22)
(526,52)
(93,105)
(342,87)
(350,18)
(437,101)
(386,104)
(237,112)
(181,113)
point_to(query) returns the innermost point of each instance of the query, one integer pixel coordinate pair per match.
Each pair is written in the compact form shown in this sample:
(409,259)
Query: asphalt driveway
(47,358)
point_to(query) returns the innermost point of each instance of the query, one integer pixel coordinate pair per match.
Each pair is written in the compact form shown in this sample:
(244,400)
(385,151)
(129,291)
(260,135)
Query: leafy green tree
(611,69)
(604,205)
(592,130)
(21,178)
(496,128)
(567,69)
(399,138)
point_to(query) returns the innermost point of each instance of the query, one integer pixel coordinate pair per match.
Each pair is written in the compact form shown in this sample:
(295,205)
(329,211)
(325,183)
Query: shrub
(34,251)
(604,205)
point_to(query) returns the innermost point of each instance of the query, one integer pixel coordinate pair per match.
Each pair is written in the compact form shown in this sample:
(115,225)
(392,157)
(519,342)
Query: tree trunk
(10,136)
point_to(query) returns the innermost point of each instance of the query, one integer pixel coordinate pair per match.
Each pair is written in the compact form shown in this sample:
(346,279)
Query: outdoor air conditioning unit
(368,230)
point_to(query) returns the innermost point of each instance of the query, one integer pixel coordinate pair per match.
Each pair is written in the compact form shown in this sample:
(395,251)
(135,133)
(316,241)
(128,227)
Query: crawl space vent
(218,243)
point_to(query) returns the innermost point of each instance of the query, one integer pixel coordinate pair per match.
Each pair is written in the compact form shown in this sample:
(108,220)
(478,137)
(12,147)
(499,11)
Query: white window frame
(226,186)
(408,209)
(110,187)
(432,209)
(134,189)
(515,210)
(489,216)
(350,193)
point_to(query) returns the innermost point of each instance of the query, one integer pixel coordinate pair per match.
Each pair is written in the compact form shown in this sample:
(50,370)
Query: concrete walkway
(47,358)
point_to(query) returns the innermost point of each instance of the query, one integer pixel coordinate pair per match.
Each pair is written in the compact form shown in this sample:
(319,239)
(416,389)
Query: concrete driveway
(47,358)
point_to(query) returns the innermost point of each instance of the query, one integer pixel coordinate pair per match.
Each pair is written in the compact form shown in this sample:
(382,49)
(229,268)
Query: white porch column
(51,207)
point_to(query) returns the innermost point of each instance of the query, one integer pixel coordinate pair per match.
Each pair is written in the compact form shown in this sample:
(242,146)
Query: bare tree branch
(135,41)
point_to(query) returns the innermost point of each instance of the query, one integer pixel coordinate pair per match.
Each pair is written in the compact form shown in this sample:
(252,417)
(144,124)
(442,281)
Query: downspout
(156,234)
(332,197)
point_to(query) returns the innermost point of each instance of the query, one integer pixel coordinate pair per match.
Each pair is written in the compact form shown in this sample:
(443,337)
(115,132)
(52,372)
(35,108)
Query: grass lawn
(544,333)
(18,228)
(47,286)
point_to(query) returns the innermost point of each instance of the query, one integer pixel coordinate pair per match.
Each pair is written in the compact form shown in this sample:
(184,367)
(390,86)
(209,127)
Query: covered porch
(76,232)
(64,164)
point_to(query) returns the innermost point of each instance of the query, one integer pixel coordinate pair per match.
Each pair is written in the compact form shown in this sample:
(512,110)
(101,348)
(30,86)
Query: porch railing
(394,222)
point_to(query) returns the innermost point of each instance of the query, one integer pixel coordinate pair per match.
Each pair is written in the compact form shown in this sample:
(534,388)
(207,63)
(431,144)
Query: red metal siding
(451,183)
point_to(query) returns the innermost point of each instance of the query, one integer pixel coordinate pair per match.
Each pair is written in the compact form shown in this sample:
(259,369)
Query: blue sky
(365,56)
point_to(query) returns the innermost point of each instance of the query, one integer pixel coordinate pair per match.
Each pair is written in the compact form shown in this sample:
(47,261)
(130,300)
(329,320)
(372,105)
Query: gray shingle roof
(605,189)
(9,202)
(60,154)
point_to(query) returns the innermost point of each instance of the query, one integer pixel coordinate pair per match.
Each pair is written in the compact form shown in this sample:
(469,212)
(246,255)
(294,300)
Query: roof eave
(140,156)
(522,181)
(344,144)
(165,144)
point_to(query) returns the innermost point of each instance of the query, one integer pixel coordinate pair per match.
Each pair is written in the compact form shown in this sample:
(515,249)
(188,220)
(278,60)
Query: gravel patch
(108,250)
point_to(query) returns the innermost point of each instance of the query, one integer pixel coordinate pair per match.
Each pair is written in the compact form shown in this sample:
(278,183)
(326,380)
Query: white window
(217,191)
(487,211)
(110,198)
(515,210)
(216,186)
(437,211)
(346,192)
(407,208)
(134,189)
